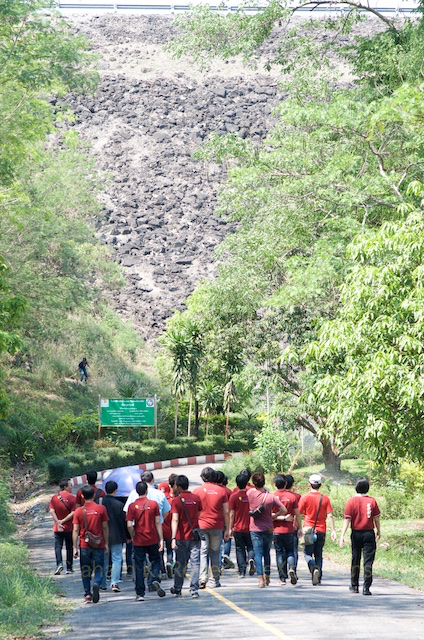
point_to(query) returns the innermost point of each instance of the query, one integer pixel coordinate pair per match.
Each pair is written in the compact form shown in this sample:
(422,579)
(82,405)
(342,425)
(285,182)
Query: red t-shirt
(269,500)
(80,498)
(239,503)
(361,511)
(193,505)
(289,500)
(143,512)
(212,497)
(166,524)
(62,511)
(96,515)
(309,504)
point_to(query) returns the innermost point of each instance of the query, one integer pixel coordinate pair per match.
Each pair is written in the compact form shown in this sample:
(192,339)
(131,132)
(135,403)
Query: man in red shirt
(284,530)
(145,528)
(239,527)
(93,518)
(316,508)
(62,507)
(289,487)
(185,518)
(91,481)
(213,520)
(166,567)
(363,515)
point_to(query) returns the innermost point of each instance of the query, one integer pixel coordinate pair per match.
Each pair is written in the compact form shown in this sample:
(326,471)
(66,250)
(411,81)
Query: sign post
(128,412)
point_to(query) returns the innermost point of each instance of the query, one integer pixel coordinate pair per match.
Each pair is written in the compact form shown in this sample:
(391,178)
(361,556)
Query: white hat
(315,478)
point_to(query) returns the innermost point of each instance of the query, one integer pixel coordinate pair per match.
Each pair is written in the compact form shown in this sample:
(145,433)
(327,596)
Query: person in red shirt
(262,502)
(316,508)
(225,550)
(91,517)
(213,520)
(185,518)
(91,481)
(166,567)
(239,527)
(62,507)
(289,487)
(145,528)
(363,515)
(284,531)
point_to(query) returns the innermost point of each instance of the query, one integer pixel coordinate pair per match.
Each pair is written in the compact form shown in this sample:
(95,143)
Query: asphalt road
(239,609)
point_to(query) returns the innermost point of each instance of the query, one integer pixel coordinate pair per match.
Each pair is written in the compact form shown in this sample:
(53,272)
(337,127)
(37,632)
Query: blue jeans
(283,543)
(261,541)
(313,554)
(91,560)
(116,554)
(187,551)
(295,548)
(140,557)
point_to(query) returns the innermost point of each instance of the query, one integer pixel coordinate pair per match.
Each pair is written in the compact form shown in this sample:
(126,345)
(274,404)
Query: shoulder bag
(309,533)
(255,513)
(90,538)
(195,531)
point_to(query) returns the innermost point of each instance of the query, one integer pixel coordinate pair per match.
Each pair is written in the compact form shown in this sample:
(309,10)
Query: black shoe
(366,592)
(96,594)
(354,589)
(292,576)
(169,571)
(252,567)
(175,592)
(227,563)
(315,577)
(156,587)
(151,588)
(202,584)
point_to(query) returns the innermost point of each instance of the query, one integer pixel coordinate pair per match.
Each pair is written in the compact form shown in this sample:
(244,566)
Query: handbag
(195,531)
(309,533)
(91,538)
(255,513)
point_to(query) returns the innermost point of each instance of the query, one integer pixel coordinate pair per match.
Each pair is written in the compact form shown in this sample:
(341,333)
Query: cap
(315,478)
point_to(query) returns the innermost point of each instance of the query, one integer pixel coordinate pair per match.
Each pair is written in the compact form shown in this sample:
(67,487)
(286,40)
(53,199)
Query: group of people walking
(171,531)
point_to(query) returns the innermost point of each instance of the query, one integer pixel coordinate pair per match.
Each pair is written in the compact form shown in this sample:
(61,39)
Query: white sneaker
(139,598)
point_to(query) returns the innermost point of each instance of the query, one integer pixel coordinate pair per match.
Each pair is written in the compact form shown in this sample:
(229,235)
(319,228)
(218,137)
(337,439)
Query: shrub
(58,468)
(273,449)
(73,429)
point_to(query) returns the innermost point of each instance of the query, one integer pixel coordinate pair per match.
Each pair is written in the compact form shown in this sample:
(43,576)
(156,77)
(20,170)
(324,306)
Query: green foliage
(7,525)
(58,468)
(73,430)
(234,465)
(272,449)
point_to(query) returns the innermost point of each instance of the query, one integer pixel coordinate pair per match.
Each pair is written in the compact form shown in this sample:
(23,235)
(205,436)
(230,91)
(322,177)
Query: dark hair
(92,477)
(87,492)
(247,473)
(280,481)
(141,488)
(220,477)
(258,480)
(182,482)
(171,479)
(241,481)
(290,481)
(64,483)
(362,485)
(208,474)
(111,486)
(147,476)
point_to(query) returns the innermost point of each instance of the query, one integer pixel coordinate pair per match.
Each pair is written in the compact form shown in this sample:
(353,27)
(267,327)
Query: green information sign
(127,413)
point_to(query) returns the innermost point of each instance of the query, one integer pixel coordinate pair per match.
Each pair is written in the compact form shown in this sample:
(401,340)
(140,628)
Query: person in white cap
(316,507)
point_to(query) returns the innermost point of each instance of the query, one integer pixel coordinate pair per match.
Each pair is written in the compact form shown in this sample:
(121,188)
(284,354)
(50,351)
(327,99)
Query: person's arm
(105,531)
(174,529)
(232,517)
(377,526)
(56,519)
(67,518)
(130,528)
(346,524)
(297,518)
(160,532)
(75,536)
(333,527)
(226,511)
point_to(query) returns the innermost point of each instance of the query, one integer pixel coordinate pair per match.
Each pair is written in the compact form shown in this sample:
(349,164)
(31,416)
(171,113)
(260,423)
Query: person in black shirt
(82,367)
(118,533)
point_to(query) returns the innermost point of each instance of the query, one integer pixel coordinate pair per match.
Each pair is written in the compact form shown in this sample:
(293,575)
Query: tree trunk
(227,418)
(189,415)
(332,460)
(196,418)
(207,425)
(176,417)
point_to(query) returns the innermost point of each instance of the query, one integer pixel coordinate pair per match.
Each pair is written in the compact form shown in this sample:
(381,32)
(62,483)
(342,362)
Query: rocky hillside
(149,114)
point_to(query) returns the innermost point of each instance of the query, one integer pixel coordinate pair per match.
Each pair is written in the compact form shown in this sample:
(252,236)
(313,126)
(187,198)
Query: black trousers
(244,550)
(61,537)
(363,542)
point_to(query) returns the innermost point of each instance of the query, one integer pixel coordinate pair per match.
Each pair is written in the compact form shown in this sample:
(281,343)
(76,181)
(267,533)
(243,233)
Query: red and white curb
(164,464)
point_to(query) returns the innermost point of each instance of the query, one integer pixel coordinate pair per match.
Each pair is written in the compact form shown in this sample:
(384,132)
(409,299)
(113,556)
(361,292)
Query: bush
(7,525)
(273,449)
(73,429)
(58,468)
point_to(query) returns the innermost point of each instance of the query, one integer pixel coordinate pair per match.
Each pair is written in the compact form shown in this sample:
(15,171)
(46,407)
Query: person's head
(88,492)
(241,481)
(258,480)
(165,488)
(141,488)
(289,481)
(182,483)
(84,360)
(65,485)
(171,479)
(111,487)
(92,477)
(148,477)
(280,481)
(315,481)
(220,477)
(247,473)
(362,485)
(208,474)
